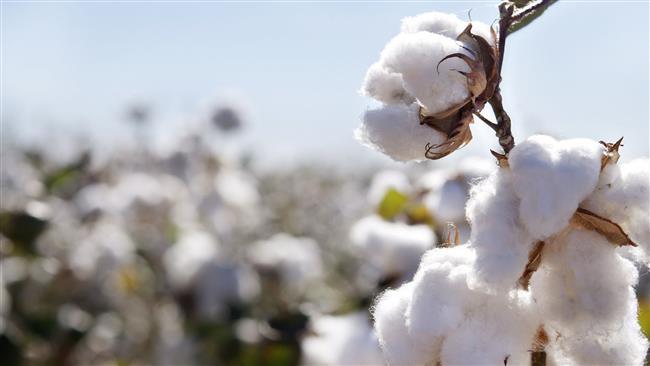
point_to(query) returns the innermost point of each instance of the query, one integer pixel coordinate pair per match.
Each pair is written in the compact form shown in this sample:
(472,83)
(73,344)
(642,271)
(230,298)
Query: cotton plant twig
(509,22)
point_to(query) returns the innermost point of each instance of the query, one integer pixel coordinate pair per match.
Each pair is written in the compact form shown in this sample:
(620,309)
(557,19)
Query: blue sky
(581,70)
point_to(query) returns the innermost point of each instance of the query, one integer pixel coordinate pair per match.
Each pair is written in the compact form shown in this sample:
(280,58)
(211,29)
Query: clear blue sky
(579,71)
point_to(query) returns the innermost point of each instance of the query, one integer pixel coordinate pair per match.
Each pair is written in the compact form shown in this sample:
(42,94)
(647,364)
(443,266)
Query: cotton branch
(509,22)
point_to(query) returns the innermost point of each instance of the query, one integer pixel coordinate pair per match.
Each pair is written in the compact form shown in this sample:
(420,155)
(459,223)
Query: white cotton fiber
(496,329)
(583,276)
(501,244)
(622,195)
(385,86)
(384,181)
(584,292)
(342,340)
(440,296)
(297,260)
(415,56)
(185,259)
(447,203)
(448,25)
(551,178)
(396,132)
(392,248)
(390,325)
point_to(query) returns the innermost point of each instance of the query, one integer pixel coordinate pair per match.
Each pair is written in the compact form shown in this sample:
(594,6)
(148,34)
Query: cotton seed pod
(482,80)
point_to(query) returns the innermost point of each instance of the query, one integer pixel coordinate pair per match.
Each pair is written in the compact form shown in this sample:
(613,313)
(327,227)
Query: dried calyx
(482,80)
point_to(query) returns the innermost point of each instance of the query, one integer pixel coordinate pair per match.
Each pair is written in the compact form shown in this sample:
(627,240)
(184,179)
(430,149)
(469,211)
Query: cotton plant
(547,275)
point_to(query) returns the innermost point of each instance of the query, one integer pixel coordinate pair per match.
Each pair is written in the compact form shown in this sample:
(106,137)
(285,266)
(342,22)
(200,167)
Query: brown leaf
(605,227)
(534,260)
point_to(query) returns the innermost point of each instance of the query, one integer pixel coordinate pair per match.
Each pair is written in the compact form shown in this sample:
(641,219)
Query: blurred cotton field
(191,256)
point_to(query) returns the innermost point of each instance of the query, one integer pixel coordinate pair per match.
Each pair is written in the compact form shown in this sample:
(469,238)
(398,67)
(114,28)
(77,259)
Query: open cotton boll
(342,340)
(552,177)
(416,56)
(384,181)
(397,344)
(392,248)
(385,86)
(440,296)
(296,260)
(396,131)
(501,244)
(186,258)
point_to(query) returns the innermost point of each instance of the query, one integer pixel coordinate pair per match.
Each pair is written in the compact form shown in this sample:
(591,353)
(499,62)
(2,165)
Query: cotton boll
(501,244)
(552,177)
(342,340)
(185,259)
(384,181)
(237,189)
(396,131)
(296,260)
(392,248)
(389,314)
(448,202)
(416,56)
(385,86)
(441,296)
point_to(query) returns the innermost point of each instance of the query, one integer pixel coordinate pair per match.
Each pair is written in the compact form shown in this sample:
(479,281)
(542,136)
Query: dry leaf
(534,260)
(609,229)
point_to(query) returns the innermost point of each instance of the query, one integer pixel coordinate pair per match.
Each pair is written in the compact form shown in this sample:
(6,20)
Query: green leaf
(531,16)
(392,204)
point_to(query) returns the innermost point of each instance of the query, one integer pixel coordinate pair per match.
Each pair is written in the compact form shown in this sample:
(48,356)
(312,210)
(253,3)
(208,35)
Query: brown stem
(503,132)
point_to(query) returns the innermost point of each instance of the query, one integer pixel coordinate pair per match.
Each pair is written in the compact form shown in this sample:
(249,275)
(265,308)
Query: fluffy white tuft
(385,86)
(392,248)
(551,178)
(501,244)
(396,132)
(416,56)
